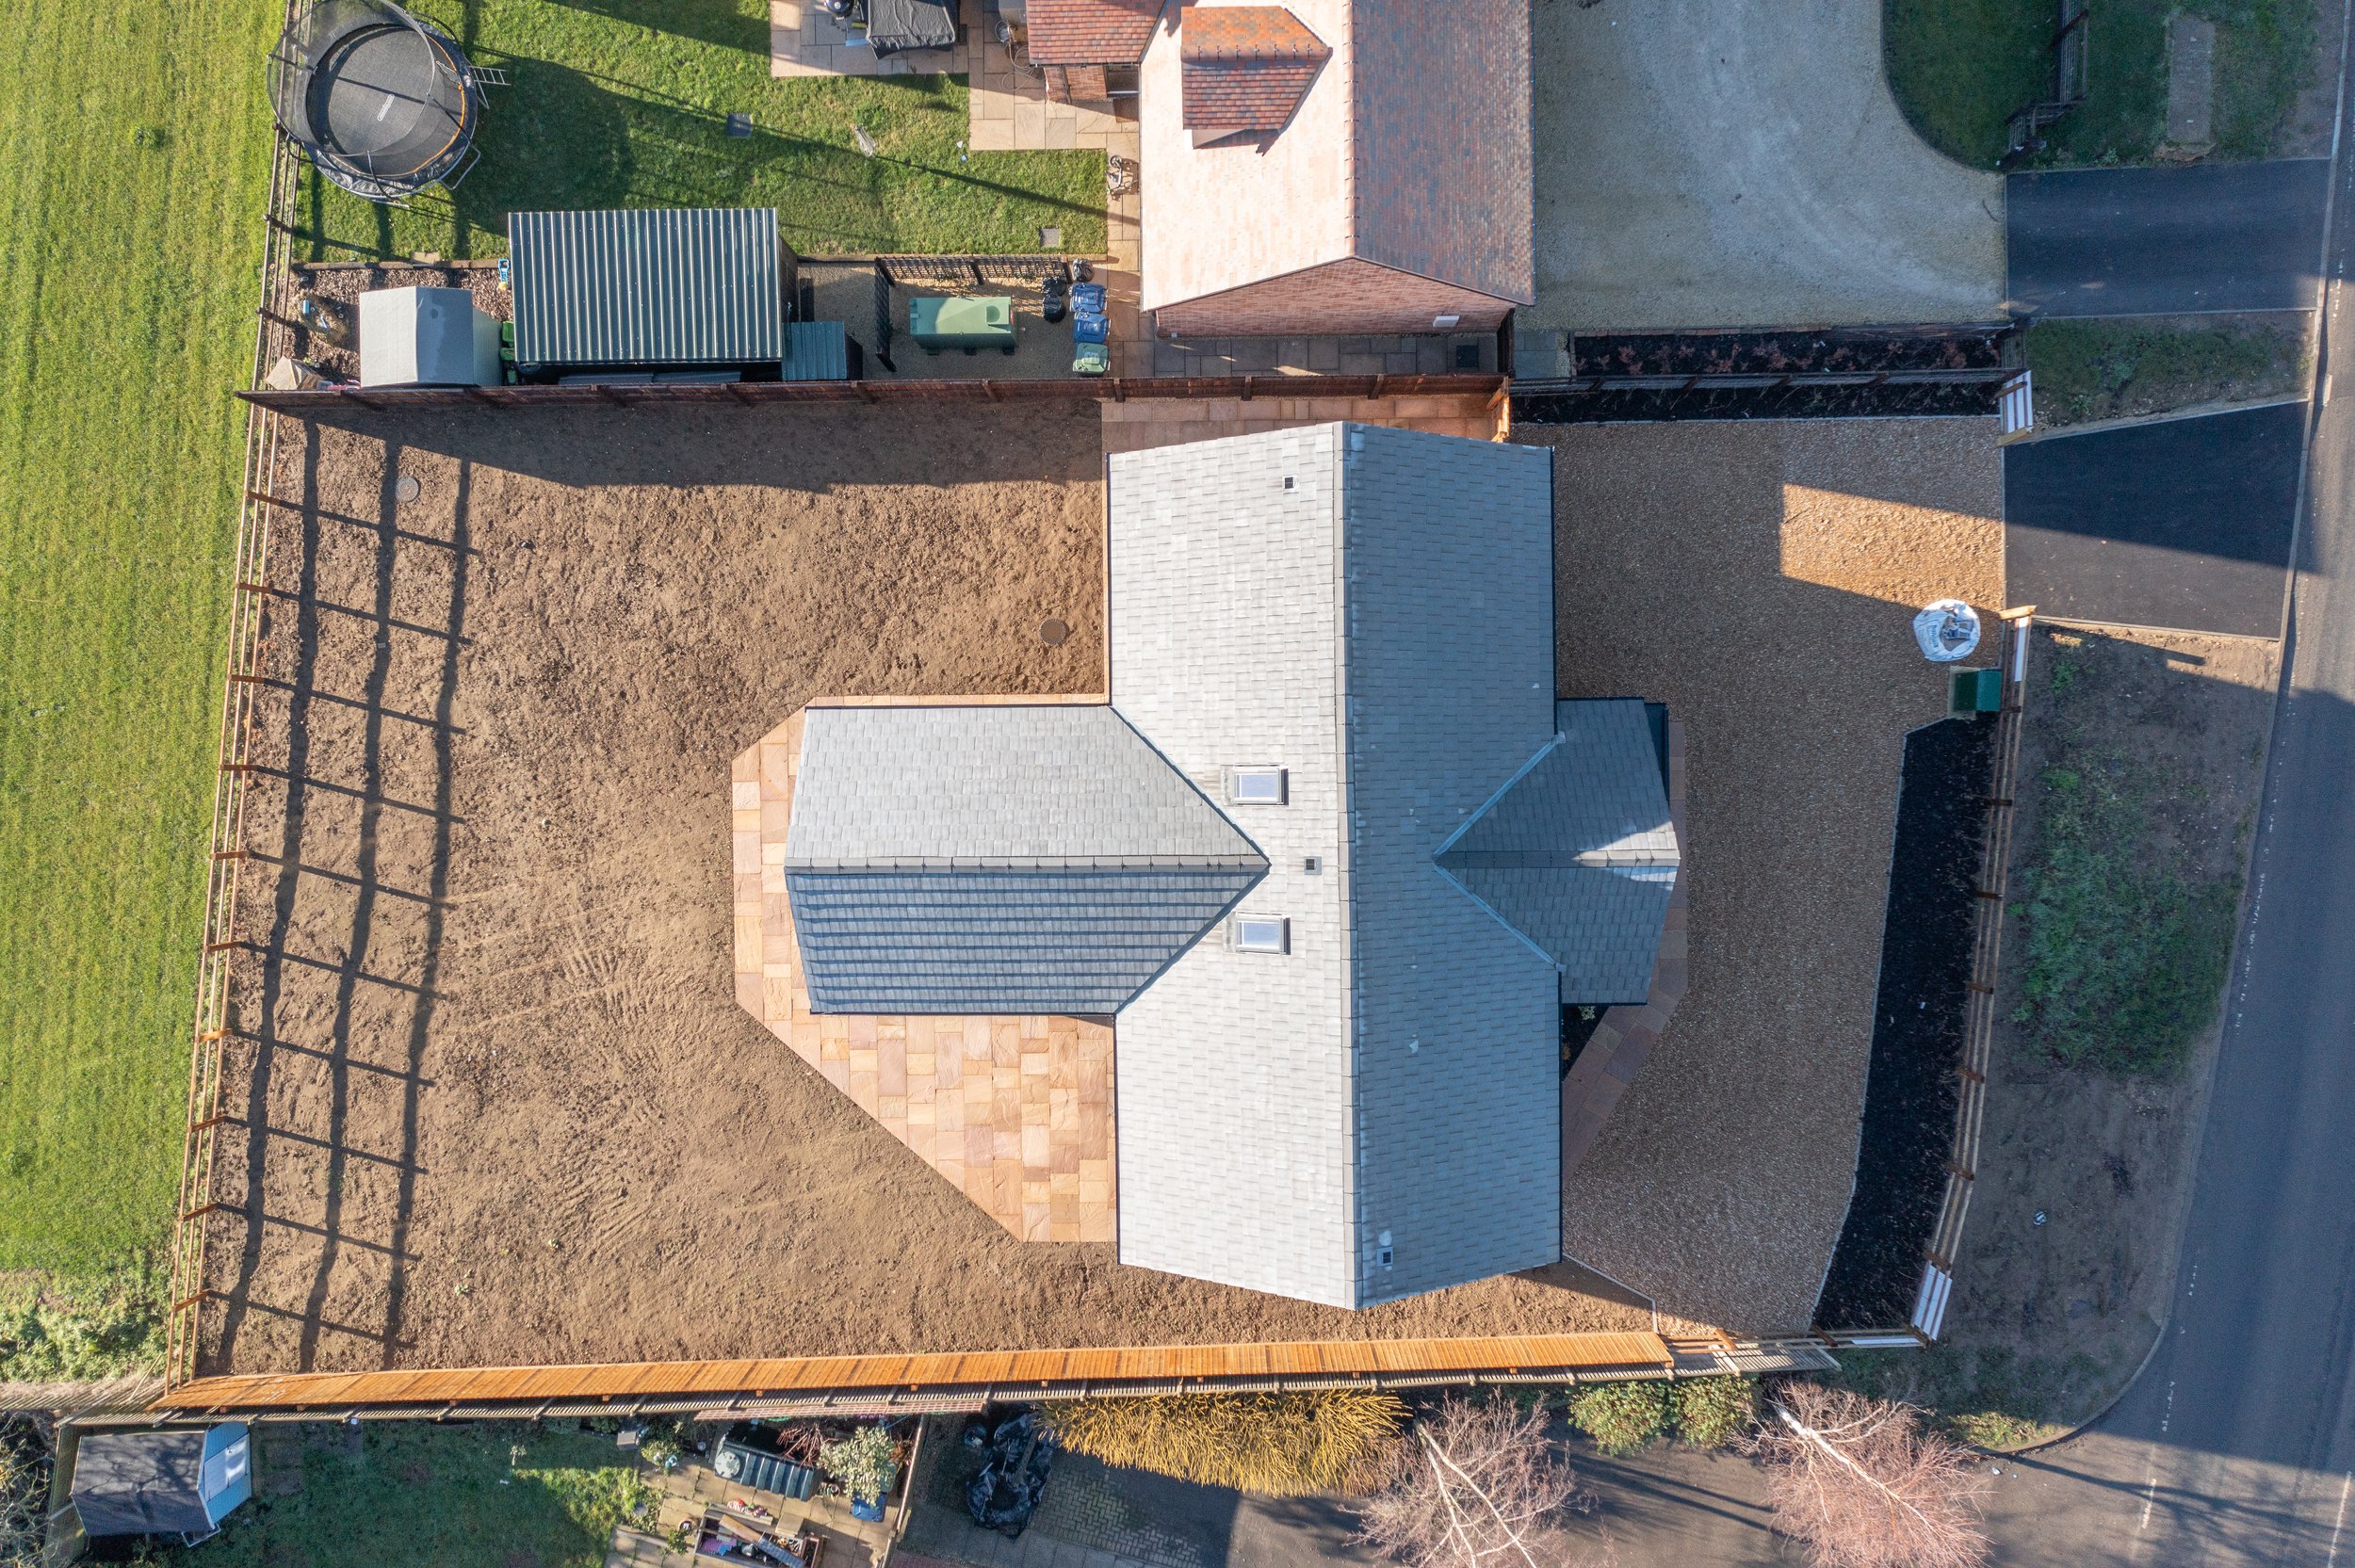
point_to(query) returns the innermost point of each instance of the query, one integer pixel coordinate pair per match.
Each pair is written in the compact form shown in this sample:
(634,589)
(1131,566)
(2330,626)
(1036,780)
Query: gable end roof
(1245,68)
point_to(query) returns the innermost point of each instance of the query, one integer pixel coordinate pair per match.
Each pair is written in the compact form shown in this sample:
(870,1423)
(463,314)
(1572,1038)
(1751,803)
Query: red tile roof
(1090,32)
(1246,68)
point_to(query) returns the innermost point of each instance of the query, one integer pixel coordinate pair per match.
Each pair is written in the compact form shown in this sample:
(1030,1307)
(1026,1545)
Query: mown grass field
(624,103)
(133,149)
(1960,68)
(496,1494)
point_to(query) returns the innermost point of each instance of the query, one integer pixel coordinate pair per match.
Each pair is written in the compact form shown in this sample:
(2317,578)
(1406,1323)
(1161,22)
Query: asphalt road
(2176,523)
(2237,1445)
(2153,241)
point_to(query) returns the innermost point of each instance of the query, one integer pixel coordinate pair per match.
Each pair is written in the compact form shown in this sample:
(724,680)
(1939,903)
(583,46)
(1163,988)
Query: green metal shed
(694,289)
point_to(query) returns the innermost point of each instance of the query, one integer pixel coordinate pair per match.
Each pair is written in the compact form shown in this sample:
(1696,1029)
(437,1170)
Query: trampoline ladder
(450,181)
(491,75)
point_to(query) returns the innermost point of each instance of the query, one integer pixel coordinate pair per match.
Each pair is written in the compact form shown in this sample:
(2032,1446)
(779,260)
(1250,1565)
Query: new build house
(1310,889)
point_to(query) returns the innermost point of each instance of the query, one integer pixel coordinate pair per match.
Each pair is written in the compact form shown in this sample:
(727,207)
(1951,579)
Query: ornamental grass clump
(1280,1444)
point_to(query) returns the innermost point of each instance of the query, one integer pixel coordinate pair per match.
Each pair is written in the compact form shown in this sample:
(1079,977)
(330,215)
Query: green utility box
(1975,691)
(936,322)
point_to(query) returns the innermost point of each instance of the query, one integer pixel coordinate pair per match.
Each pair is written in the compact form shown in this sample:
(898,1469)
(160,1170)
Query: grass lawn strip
(133,173)
(2127,939)
(489,1496)
(608,112)
(1961,68)
(2127,367)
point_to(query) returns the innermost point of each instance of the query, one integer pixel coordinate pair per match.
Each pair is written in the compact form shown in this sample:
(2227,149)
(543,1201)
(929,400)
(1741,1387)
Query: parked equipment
(1005,1495)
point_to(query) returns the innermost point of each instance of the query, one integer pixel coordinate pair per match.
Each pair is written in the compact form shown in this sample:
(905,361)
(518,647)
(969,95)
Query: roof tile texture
(1090,32)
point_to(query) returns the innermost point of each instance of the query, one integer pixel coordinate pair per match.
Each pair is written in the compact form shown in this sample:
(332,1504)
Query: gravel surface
(1759,579)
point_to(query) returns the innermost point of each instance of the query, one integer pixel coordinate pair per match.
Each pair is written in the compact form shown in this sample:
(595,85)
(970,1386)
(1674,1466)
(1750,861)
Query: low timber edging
(967,1380)
(1962,1161)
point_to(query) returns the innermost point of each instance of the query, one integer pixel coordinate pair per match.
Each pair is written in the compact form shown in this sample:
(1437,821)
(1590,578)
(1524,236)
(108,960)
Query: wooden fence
(1962,1161)
(1010,1374)
(314,402)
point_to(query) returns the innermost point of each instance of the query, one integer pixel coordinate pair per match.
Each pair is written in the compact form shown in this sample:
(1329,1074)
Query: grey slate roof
(1383,628)
(996,860)
(1577,853)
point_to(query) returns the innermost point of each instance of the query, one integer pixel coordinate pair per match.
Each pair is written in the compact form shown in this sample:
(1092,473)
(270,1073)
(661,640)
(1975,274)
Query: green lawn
(133,148)
(2127,940)
(2088,370)
(624,103)
(1960,67)
(501,1494)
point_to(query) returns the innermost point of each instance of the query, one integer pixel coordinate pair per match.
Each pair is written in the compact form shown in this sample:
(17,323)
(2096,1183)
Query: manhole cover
(405,488)
(740,124)
(1053,632)
(1050,236)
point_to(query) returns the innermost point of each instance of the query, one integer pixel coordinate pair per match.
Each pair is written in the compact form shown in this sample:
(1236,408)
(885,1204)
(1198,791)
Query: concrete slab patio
(1741,163)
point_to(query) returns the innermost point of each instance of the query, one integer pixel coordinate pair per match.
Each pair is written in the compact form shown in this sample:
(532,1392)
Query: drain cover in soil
(405,488)
(1053,632)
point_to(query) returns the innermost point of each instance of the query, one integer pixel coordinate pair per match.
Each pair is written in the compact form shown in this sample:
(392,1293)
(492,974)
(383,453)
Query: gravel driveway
(1741,163)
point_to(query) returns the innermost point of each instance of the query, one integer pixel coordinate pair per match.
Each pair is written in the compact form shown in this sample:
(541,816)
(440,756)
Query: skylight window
(1260,934)
(1256,786)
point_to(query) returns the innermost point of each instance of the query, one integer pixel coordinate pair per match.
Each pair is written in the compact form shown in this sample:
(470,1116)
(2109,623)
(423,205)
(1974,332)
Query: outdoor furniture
(937,322)
(896,26)
(728,1538)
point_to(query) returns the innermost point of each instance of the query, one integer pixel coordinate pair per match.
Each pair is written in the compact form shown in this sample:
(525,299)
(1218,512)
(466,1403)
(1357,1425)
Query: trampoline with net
(385,104)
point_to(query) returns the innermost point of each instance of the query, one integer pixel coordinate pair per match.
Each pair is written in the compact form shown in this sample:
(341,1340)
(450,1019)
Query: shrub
(1478,1486)
(1281,1445)
(864,1462)
(1621,1417)
(1710,1412)
(23,1496)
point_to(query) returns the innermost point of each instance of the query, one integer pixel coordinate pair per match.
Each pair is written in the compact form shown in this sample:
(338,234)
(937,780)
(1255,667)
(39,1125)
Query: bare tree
(1862,1483)
(1474,1486)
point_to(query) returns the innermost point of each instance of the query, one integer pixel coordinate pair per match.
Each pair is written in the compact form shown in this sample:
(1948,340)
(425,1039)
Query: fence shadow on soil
(390,938)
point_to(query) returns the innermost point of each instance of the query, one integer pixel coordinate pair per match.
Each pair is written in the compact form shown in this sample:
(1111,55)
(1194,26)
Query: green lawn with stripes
(626,104)
(132,153)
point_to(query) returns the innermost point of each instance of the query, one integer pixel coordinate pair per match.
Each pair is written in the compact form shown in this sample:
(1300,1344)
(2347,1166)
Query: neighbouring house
(1313,885)
(1335,166)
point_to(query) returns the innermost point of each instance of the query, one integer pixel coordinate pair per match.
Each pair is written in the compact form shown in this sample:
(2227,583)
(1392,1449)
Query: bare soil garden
(501,1104)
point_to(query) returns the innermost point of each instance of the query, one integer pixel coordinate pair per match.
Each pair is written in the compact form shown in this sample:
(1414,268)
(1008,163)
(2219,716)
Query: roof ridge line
(1489,804)
(812,866)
